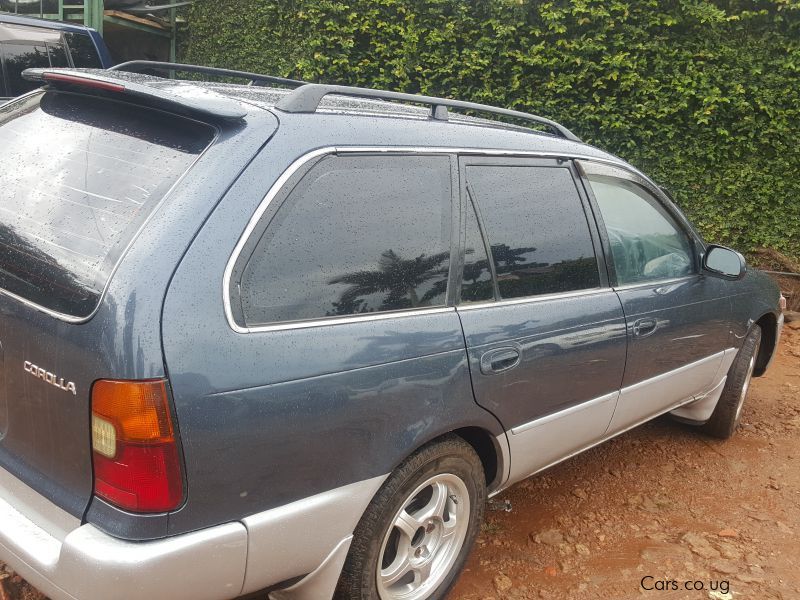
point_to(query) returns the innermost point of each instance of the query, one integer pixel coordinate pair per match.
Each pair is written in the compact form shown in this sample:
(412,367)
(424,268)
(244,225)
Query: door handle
(644,327)
(499,360)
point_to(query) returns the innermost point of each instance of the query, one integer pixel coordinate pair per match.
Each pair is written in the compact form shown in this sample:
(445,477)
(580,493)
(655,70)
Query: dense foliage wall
(704,96)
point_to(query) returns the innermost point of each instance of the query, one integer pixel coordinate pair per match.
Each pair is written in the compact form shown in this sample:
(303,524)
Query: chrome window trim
(656,282)
(77,320)
(301,161)
(531,299)
(380,316)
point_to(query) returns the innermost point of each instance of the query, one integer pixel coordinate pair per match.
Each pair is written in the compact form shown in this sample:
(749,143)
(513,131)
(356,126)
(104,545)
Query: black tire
(449,456)
(726,415)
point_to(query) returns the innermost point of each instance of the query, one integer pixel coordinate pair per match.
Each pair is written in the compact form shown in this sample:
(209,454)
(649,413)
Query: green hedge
(703,96)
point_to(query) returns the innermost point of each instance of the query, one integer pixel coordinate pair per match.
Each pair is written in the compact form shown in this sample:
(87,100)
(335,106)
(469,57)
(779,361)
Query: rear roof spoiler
(195,102)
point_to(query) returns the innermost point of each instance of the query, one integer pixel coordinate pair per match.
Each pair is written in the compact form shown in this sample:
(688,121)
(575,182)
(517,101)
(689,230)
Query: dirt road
(658,505)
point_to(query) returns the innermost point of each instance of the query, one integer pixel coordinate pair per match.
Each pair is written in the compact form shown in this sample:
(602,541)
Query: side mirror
(724,262)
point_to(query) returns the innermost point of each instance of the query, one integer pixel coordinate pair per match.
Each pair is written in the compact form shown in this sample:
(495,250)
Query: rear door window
(538,234)
(357,235)
(78,178)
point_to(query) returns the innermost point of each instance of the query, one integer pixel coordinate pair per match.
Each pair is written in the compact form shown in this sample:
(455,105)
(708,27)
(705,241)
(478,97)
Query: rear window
(79,177)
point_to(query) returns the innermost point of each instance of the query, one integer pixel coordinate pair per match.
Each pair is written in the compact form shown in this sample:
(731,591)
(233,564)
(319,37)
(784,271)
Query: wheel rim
(750,367)
(424,539)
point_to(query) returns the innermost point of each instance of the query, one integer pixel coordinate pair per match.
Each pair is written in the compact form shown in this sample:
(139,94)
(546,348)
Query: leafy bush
(703,96)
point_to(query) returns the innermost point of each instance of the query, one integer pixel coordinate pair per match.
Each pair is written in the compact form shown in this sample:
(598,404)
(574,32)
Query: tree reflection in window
(398,280)
(356,235)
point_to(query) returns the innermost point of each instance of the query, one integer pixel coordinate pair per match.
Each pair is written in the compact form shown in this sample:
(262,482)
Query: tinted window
(646,243)
(537,229)
(357,235)
(476,283)
(83,52)
(78,177)
(17,58)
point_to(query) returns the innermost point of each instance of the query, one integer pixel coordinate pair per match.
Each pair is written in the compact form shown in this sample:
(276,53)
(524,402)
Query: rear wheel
(728,412)
(414,537)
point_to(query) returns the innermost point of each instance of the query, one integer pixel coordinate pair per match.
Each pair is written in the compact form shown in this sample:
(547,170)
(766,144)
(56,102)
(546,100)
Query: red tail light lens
(136,460)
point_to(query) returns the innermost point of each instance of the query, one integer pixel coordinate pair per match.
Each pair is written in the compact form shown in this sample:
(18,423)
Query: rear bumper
(70,561)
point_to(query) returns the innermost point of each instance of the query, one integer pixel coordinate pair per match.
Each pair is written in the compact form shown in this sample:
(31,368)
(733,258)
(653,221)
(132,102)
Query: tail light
(783,303)
(137,465)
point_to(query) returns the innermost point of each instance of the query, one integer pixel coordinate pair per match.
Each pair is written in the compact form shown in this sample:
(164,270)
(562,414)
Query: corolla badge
(51,378)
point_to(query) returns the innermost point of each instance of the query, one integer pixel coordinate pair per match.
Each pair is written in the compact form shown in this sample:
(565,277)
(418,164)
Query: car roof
(43,23)
(403,124)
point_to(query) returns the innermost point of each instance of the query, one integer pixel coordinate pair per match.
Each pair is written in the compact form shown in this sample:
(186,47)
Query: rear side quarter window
(357,235)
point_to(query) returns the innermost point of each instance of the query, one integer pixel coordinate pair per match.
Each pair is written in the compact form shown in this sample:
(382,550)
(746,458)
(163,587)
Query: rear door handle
(499,360)
(644,327)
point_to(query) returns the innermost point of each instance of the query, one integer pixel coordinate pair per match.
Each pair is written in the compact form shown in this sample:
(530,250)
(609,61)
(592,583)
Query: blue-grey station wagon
(284,339)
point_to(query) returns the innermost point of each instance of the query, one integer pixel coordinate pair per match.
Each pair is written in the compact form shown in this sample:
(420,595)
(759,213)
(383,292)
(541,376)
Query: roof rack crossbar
(137,66)
(307,98)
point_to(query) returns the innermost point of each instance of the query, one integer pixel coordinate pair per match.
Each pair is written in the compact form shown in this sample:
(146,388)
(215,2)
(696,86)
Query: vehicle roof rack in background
(138,66)
(307,98)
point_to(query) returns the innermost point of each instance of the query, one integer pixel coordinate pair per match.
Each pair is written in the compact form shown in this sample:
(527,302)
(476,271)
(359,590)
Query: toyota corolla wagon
(285,339)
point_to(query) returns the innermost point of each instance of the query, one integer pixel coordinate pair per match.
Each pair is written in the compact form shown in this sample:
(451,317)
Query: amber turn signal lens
(138,409)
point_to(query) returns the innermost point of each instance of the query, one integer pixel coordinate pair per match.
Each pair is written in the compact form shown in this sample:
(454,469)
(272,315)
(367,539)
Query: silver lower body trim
(649,398)
(79,562)
(320,584)
(540,444)
(703,406)
(295,539)
(70,561)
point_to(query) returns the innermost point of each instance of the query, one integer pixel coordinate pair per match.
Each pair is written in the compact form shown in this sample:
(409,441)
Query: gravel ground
(656,508)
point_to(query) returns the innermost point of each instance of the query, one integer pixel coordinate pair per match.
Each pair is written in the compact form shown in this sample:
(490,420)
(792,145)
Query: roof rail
(137,66)
(307,98)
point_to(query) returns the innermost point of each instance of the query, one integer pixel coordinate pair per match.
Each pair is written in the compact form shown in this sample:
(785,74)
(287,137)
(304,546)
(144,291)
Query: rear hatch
(79,177)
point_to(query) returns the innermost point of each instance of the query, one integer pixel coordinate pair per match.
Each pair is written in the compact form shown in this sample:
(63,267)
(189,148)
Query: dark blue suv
(27,43)
(286,338)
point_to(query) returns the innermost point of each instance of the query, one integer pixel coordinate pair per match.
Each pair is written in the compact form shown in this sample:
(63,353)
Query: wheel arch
(491,450)
(768,323)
